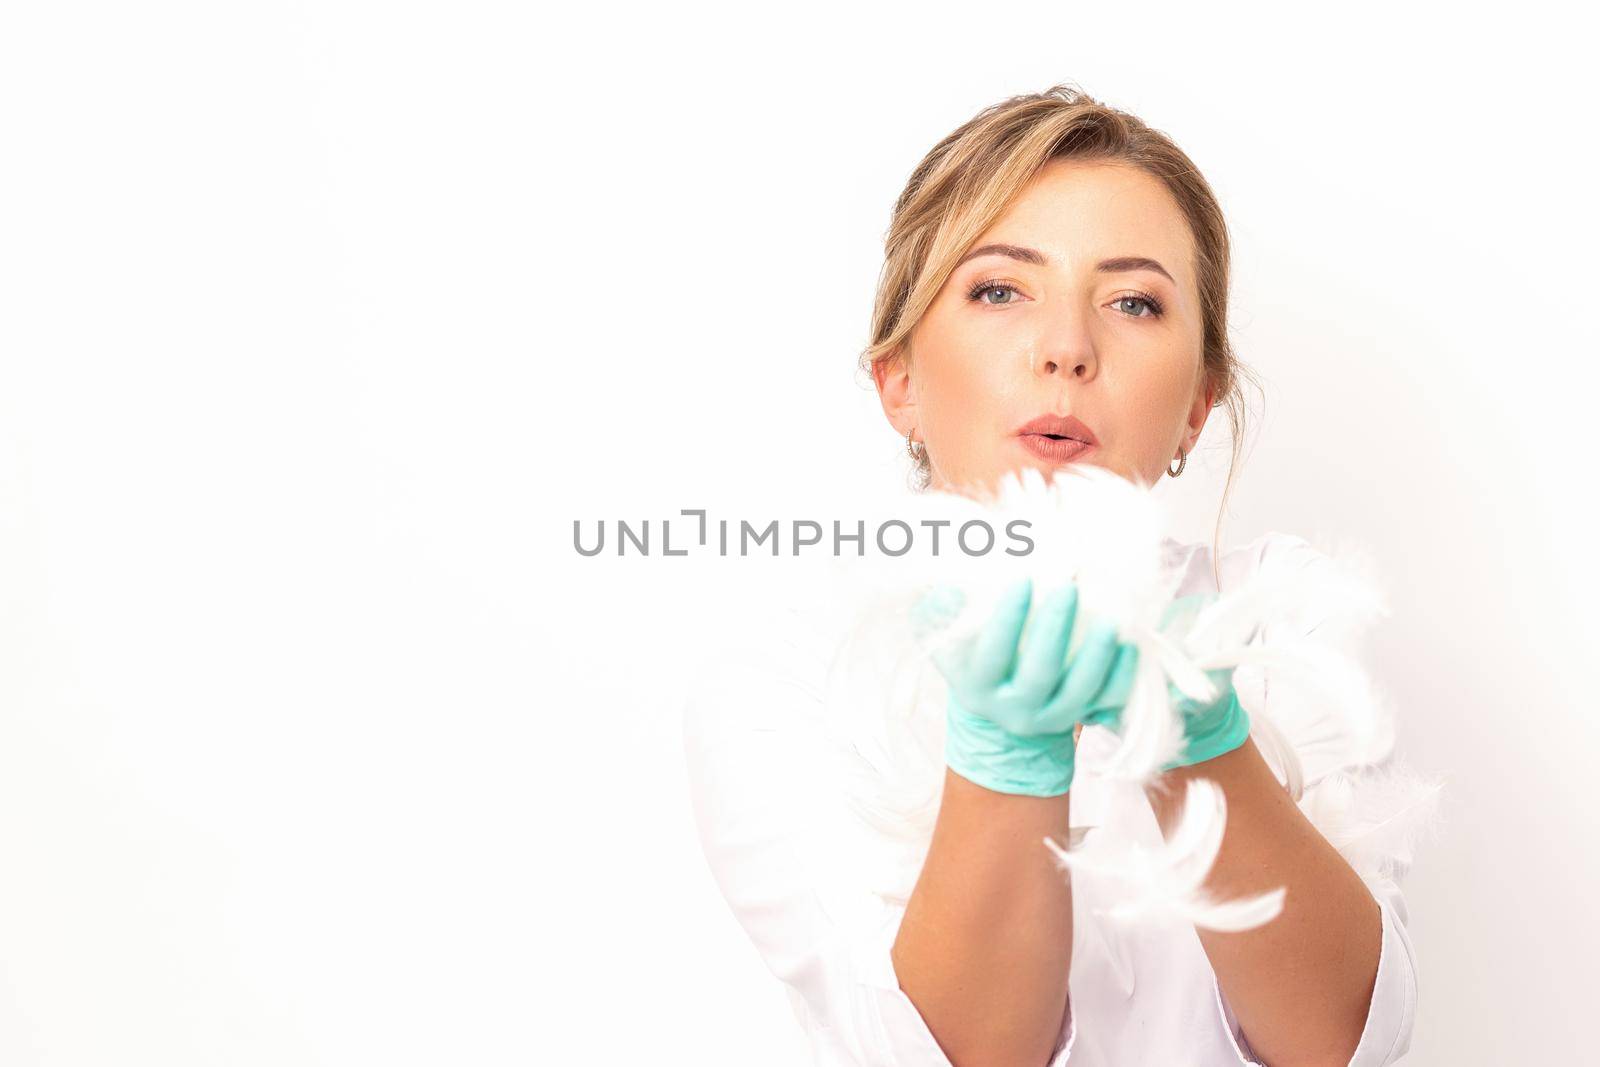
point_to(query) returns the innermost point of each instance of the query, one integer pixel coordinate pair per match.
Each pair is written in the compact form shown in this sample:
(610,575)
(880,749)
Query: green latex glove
(1015,696)
(1209,728)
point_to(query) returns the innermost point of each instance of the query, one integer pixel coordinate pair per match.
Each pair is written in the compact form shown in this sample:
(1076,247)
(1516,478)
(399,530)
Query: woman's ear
(1199,412)
(892,374)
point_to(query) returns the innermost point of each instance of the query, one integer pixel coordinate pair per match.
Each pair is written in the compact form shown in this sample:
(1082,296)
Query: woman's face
(1089,310)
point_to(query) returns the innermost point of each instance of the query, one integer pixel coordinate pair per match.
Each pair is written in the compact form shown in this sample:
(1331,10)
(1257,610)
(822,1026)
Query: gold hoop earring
(911,447)
(1183,458)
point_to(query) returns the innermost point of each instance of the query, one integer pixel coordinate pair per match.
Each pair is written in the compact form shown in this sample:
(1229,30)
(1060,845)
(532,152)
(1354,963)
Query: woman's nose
(1066,348)
(1077,365)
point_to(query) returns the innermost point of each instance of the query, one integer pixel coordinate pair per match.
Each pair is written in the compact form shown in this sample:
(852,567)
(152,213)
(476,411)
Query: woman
(1055,291)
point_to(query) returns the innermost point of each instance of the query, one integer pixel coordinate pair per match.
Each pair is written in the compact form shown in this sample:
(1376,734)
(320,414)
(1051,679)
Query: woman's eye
(982,291)
(1129,305)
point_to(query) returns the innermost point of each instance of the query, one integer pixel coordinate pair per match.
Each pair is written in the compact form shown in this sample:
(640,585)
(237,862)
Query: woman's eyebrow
(1118,265)
(1027,255)
(1127,263)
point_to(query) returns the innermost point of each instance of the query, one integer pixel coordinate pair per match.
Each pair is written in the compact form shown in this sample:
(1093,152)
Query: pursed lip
(1056,426)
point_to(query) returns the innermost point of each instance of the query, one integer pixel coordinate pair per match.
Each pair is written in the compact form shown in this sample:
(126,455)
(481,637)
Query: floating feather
(1166,882)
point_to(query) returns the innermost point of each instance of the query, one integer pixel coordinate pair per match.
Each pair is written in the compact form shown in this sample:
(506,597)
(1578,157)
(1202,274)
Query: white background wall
(321,322)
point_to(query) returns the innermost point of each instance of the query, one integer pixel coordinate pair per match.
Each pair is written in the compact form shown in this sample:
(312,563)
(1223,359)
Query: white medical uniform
(809,885)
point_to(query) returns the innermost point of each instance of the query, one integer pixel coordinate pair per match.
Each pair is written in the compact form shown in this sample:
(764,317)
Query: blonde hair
(969,179)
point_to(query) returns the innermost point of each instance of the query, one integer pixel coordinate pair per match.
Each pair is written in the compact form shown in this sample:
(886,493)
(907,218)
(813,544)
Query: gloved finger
(995,651)
(1113,695)
(1044,648)
(1089,666)
(1071,700)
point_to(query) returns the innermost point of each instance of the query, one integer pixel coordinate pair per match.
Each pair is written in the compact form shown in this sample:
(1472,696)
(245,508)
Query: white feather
(1166,882)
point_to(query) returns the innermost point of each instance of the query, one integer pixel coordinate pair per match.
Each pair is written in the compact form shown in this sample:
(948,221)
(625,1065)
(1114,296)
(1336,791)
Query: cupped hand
(1015,694)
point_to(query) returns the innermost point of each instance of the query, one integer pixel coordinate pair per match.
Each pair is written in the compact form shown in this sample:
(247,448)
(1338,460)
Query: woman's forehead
(1074,214)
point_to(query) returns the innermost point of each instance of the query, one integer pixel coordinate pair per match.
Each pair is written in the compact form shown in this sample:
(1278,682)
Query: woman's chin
(978,485)
(1053,469)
